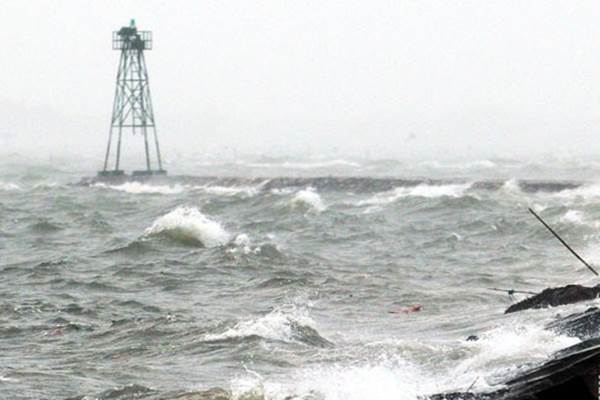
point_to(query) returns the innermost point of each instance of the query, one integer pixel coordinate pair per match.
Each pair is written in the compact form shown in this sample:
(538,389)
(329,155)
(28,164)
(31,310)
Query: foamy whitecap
(582,193)
(279,324)
(573,217)
(538,208)
(514,344)
(512,187)
(308,198)
(190,225)
(422,190)
(387,378)
(241,243)
(9,186)
(142,188)
(248,191)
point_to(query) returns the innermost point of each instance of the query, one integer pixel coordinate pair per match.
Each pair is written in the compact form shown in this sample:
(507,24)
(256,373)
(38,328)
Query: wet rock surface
(584,325)
(553,297)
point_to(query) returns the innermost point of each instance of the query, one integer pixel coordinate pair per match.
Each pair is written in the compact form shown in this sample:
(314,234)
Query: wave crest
(421,190)
(573,216)
(285,324)
(9,186)
(583,193)
(308,199)
(142,188)
(230,191)
(189,225)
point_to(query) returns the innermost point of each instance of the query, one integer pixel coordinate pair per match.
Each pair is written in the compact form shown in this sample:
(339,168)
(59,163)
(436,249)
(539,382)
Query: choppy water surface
(270,288)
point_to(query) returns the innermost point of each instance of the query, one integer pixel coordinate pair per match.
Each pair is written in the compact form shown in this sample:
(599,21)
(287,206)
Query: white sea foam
(308,198)
(282,191)
(387,378)
(247,191)
(512,187)
(241,243)
(390,379)
(539,207)
(422,190)
(142,188)
(45,185)
(583,193)
(189,224)
(573,216)
(9,186)
(276,325)
(396,374)
(513,344)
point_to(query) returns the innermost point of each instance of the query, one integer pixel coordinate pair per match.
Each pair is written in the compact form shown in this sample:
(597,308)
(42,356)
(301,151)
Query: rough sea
(284,278)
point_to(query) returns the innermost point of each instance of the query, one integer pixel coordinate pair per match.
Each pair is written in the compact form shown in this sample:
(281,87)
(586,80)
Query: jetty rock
(553,297)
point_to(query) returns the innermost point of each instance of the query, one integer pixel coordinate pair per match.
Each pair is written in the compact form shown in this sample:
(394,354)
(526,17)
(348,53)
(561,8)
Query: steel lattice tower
(132,107)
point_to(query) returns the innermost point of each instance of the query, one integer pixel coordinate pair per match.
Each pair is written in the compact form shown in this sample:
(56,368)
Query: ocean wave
(241,244)
(132,391)
(9,186)
(389,378)
(189,225)
(45,226)
(285,324)
(511,187)
(248,191)
(46,185)
(306,165)
(590,192)
(142,188)
(574,217)
(399,372)
(308,199)
(421,190)
(512,344)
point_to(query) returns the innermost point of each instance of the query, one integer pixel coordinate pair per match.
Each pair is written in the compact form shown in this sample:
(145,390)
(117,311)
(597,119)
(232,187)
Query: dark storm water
(269,288)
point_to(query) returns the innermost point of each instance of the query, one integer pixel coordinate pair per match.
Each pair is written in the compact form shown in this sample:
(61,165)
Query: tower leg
(107,149)
(145,133)
(158,157)
(118,150)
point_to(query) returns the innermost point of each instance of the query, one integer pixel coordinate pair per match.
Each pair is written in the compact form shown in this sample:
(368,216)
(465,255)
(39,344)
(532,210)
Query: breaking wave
(422,190)
(189,225)
(285,324)
(9,186)
(394,373)
(513,344)
(308,199)
(248,191)
(583,193)
(388,378)
(511,187)
(573,217)
(142,188)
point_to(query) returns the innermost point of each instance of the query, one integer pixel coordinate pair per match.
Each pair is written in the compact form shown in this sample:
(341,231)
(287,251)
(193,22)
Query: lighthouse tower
(132,106)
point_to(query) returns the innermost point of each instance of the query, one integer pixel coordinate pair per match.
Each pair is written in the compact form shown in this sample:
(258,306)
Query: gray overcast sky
(391,78)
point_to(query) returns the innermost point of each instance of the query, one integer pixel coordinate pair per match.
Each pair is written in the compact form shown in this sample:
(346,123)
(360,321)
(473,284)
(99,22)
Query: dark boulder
(553,297)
